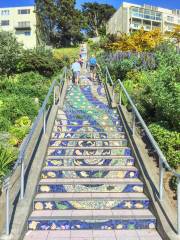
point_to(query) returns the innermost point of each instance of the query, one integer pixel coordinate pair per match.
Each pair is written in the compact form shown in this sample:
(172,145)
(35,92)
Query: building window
(5,12)
(27,33)
(5,23)
(23,24)
(170,19)
(23,11)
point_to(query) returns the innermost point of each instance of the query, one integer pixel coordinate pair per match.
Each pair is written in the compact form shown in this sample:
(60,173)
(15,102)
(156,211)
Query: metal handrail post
(161,176)
(178,206)
(133,122)
(54,97)
(7,211)
(120,98)
(113,93)
(22,179)
(44,121)
(6,188)
(106,76)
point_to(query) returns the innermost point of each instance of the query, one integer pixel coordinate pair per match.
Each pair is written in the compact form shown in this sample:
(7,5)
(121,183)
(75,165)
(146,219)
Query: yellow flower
(55,162)
(38,206)
(138,205)
(51,174)
(119,226)
(120,174)
(33,225)
(43,176)
(138,189)
(45,188)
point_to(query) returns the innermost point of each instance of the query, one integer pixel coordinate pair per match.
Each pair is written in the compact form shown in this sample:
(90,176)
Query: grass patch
(62,53)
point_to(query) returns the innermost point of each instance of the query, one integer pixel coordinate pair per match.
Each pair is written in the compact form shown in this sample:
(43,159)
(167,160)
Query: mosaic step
(53,151)
(91,146)
(80,114)
(56,185)
(57,201)
(88,142)
(78,126)
(85,122)
(138,234)
(66,133)
(91,160)
(80,129)
(89,172)
(91,219)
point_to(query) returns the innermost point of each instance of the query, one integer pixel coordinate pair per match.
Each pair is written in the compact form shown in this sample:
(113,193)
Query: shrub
(10,53)
(19,130)
(7,158)
(29,84)
(39,60)
(168,142)
(17,106)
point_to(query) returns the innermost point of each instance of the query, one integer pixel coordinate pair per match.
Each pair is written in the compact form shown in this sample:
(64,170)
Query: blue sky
(116,3)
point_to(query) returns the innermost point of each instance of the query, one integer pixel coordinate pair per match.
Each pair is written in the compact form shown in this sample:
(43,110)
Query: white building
(130,17)
(21,21)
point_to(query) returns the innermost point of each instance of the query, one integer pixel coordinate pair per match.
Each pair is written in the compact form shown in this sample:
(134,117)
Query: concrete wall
(26,36)
(118,23)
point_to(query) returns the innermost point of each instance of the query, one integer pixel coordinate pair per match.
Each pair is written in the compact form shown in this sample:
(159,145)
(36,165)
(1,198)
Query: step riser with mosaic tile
(88,142)
(89,152)
(85,224)
(57,133)
(91,204)
(62,188)
(80,162)
(89,174)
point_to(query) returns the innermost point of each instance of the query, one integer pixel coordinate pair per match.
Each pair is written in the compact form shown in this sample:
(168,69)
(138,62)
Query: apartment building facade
(131,17)
(21,21)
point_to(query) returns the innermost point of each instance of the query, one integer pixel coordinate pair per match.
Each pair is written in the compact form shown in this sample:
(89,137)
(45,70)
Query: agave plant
(7,158)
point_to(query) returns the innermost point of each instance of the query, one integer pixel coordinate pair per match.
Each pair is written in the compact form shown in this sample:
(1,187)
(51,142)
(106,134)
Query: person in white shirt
(76,69)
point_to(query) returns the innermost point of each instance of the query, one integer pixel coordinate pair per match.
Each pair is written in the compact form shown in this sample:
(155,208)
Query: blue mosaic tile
(89,224)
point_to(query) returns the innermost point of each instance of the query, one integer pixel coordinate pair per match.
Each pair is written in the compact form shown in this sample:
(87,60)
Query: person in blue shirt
(76,69)
(93,67)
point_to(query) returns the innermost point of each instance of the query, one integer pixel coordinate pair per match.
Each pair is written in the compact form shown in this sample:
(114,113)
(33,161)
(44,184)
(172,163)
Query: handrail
(25,144)
(163,164)
(151,138)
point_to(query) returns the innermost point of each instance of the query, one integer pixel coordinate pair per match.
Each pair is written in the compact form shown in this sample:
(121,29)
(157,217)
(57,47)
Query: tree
(59,23)
(10,52)
(96,16)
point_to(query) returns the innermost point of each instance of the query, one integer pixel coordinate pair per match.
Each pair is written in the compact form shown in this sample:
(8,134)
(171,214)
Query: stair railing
(55,91)
(163,164)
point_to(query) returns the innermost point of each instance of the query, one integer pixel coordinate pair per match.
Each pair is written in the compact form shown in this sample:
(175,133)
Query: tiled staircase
(89,186)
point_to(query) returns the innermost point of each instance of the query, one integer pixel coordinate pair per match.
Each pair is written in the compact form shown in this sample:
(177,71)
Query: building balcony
(23,26)
(146,17)
(137,26)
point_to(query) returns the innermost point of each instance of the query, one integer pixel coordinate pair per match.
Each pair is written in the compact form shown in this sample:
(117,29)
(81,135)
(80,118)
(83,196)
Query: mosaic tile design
(90,204)
(87,133)
(94,162)
(78,225)
(58,188)
(89,174)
